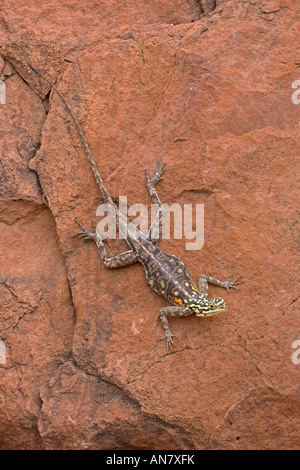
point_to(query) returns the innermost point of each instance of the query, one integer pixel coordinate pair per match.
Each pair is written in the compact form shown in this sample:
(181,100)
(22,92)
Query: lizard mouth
(213,311)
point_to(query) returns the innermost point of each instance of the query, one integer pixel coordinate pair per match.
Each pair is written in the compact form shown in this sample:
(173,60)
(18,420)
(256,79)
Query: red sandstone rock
(105,417)
(213,100)
(36,318)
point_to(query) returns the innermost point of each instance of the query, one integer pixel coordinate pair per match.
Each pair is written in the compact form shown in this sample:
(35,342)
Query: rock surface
(206,87)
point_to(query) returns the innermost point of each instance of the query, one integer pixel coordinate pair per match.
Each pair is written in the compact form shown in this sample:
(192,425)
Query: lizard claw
(85,233)
(169,342)
(232,284)
(157,177)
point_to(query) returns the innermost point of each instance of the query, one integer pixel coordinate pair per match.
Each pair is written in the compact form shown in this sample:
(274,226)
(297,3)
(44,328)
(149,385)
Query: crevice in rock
(27,308)
(200,7)
(206,6)
(35,148)
(46,103)
(39,186)
(71,297)
(36,209)
(30,153)
(290,303)
(148,418)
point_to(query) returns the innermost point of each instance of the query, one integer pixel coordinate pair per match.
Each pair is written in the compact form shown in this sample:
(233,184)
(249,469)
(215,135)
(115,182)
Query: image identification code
(155,459)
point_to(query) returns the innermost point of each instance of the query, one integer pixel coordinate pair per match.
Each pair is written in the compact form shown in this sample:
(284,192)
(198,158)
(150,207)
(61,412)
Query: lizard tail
(107,197)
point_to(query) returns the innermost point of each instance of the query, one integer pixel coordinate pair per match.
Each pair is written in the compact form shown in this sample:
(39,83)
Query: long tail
(107,197)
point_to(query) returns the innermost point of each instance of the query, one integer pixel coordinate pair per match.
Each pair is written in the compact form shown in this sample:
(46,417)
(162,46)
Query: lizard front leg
(119,261)
(173,312)
(204,280)
(156,200)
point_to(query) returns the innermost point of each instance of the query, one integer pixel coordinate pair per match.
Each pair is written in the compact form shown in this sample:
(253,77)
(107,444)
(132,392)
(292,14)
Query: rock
(36,320)
(106,418)
(21,119)
(211,96)
(68,29)
(260,410)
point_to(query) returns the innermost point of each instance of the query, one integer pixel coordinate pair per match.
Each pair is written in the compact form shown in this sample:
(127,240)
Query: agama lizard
(165,273)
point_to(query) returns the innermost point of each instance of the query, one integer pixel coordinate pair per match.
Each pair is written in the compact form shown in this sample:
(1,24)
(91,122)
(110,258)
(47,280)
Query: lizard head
(209,307)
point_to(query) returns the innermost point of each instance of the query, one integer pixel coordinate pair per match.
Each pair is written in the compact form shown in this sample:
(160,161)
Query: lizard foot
(232,284)
(85,233)
(168,337)
(157,177)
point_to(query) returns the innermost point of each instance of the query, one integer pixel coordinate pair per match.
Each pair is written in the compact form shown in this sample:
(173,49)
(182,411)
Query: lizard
(166,274)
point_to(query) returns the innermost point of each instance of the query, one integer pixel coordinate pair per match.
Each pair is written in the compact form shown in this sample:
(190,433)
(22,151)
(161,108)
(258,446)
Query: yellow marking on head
(178,301)
(194,288)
